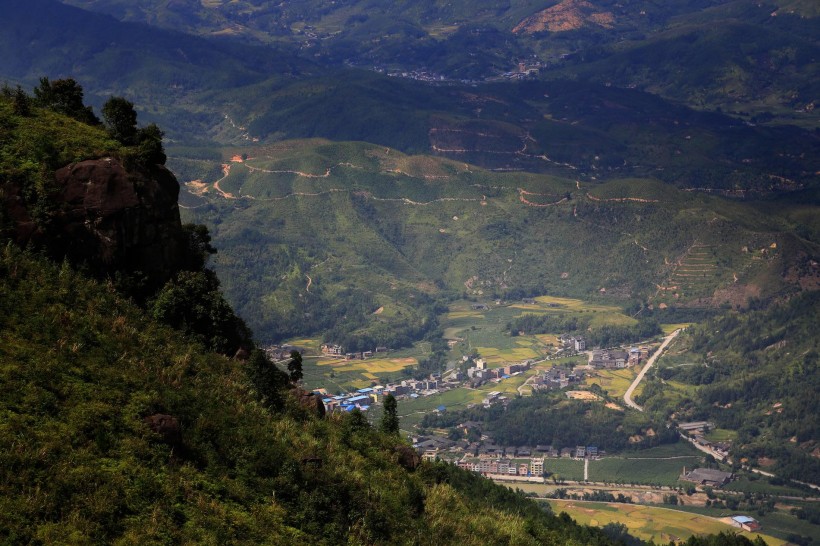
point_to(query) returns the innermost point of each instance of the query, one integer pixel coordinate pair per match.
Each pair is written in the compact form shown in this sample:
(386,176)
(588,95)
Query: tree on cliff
(269,381)
(193,303)
(149,142)
(121,119)
(66,97)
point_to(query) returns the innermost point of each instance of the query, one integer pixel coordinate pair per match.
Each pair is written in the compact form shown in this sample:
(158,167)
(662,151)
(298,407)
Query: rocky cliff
(107,217)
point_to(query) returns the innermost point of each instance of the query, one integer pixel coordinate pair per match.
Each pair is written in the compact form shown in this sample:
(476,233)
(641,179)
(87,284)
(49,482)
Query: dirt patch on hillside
(565,16)
(736,295)
(766,461)
(197,187)
(583,395)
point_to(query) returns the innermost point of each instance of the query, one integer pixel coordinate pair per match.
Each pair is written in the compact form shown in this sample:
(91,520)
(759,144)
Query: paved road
(649,363)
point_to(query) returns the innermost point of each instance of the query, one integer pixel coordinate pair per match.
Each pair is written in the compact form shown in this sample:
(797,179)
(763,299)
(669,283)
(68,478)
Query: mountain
(221,90)
(116,427)
(334,231)
(164,72)
(745,58)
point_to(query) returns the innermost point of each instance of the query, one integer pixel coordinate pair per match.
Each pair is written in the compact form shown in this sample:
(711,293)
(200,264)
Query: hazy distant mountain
(747,58)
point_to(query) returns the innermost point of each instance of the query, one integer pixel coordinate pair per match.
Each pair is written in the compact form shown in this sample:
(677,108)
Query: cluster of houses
(479,373)
(489,458)
(617,359)
(332,349)
(695,432)
(281,352)
(572,343)
(362,399)
(557,378)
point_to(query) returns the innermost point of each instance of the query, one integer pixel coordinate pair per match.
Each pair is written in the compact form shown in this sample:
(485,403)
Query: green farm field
(565,469)
(642,470)
(485,331)
(614,382)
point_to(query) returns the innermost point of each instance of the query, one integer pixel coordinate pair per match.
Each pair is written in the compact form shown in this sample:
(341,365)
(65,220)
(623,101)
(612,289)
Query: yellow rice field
(650,522)
(615,382)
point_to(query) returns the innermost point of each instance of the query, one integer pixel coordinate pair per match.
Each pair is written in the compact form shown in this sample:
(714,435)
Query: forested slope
(755,373)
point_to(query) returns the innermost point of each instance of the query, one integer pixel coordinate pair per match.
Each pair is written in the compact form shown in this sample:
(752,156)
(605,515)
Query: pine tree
(390,418)
(295,366)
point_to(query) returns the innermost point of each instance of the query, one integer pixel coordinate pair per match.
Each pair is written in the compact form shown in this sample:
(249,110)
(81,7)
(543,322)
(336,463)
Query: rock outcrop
(110,218)
(167,427)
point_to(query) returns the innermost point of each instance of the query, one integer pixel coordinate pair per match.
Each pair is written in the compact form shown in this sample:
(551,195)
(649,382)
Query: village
(476,451)
(473,372)
(468,446)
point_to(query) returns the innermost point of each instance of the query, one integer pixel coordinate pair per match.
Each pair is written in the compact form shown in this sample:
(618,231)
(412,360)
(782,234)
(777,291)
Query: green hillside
(334,231)
(754,71)
(754,373)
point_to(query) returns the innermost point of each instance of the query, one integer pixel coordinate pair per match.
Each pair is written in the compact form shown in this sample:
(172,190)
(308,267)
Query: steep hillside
(115,429)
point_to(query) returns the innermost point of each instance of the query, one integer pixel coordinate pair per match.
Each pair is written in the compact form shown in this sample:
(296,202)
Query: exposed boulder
(166,426)
(310,402)
(408,457)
